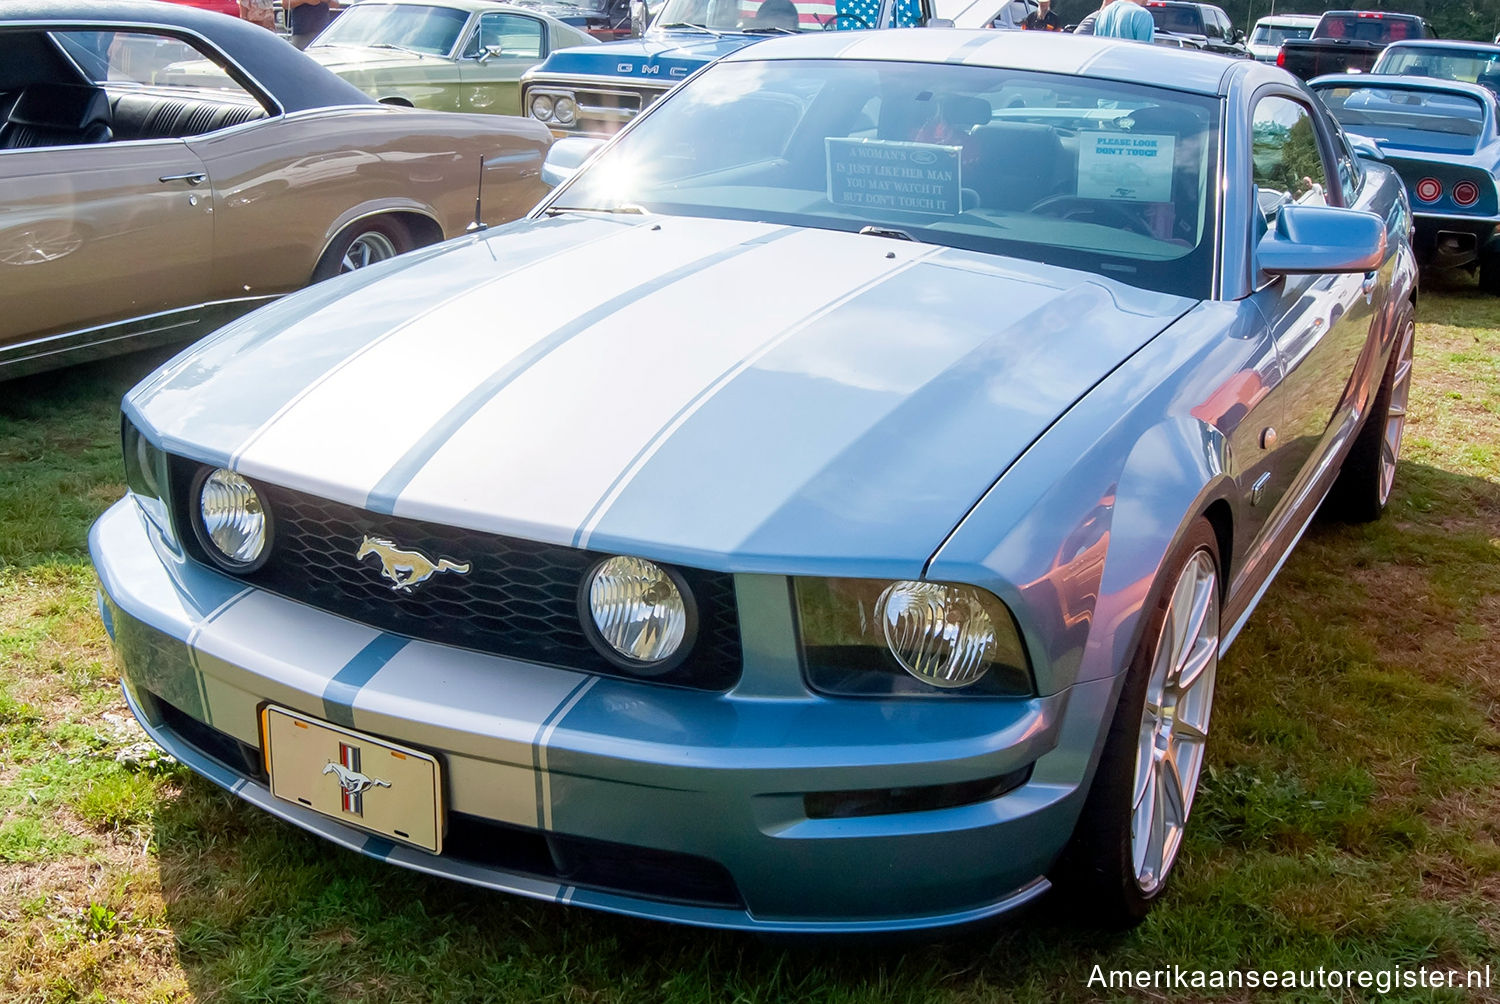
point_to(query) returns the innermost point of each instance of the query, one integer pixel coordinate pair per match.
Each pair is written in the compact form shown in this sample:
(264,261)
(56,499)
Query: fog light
(640,612)
(233,526)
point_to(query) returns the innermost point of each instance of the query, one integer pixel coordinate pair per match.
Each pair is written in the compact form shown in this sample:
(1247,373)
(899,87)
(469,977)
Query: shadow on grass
(1315,845)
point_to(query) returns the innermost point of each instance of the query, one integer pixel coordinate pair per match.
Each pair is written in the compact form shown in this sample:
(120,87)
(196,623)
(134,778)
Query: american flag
(814,14)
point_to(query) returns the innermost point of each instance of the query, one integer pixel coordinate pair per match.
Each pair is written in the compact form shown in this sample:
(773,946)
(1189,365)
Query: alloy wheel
(1395,415)
(367,249)
(1174,722)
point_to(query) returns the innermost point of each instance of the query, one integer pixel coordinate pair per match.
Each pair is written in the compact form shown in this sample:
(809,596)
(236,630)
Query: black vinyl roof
(295,81)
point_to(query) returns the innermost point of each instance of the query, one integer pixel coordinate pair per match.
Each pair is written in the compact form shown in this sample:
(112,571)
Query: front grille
(519,599)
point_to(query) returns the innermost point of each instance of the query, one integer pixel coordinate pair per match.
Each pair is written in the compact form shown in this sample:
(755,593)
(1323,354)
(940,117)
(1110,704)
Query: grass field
(1348,818)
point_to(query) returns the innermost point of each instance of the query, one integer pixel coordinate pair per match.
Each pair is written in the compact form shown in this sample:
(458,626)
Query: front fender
(1073,536)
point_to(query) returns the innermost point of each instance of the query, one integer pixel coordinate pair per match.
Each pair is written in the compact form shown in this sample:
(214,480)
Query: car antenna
(478,224)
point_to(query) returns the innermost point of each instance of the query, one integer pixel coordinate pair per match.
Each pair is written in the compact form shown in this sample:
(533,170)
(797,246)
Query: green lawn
(1348,819)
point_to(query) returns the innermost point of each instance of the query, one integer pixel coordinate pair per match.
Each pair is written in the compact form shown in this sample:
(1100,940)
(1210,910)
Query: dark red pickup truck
(1349,40)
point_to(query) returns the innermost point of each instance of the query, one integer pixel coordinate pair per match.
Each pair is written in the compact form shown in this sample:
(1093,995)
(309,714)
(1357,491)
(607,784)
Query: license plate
(359,780)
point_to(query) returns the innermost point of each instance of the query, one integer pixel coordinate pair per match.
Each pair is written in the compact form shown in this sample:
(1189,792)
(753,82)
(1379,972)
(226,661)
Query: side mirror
(1239,36)
(489,52)
(1365,147)
(566,156)
(640,18)
(1311,239)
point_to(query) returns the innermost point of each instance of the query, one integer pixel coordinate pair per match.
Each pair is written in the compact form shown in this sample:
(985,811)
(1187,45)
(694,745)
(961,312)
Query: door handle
(191,177)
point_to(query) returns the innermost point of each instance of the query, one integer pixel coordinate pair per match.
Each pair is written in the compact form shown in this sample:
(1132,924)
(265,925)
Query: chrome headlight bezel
(636,667)
(205,540)
(535,99)
(846,651)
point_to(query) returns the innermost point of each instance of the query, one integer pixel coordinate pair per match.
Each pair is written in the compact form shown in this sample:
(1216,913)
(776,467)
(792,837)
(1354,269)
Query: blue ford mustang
(857,555)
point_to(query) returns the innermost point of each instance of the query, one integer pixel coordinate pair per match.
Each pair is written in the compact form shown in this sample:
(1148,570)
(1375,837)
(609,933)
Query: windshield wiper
(696,27)
(768,29)
(893,234)
(399,48)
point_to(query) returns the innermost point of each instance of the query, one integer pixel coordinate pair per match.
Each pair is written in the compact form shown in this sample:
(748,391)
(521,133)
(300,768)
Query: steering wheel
(849,14)
(1102,211)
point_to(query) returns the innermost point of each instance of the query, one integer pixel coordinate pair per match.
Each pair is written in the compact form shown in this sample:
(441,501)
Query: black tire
(1489,273)
(1364,484)
(383,236)
(1097,874)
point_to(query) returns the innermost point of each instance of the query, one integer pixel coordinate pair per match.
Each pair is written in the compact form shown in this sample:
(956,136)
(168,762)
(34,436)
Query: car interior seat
(1017,164)
(57,115)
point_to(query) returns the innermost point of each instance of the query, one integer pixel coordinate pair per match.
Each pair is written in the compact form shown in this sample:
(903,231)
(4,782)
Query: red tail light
(1428,190)
(1280,58)
(1466,193)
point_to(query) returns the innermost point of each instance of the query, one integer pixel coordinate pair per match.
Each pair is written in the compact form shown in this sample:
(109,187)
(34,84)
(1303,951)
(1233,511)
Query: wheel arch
(421,221)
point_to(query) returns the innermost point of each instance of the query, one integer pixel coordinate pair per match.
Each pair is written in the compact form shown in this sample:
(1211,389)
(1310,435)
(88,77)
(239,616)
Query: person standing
(259,12)
(1086,26)
(1126,19)
(307,18)
(1042,19)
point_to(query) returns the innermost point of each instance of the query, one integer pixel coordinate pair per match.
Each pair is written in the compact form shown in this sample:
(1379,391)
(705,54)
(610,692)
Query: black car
(1201,25)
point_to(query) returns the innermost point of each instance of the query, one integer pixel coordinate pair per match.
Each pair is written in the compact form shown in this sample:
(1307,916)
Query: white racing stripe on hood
(680,341)
(340,439)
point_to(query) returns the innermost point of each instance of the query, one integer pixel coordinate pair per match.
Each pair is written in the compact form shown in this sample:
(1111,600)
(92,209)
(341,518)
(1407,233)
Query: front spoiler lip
(547,890)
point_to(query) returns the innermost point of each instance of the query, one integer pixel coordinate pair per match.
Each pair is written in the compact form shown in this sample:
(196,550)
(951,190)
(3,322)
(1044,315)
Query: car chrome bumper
(703,788)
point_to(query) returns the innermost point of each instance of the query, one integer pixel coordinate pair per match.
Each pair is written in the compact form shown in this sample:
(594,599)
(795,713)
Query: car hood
(662,56)
(728,394)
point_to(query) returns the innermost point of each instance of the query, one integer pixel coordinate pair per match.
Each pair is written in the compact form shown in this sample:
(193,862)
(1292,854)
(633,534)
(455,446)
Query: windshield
(1275,34)
(1445,64)
(1178,20)
(780,17)
(430,30)
(1102,176)
(1415,120)
(1367,27)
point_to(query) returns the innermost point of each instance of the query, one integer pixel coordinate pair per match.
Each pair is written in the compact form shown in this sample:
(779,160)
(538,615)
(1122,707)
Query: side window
(140,58)
(1211,26)
(1288,166)
(517,36)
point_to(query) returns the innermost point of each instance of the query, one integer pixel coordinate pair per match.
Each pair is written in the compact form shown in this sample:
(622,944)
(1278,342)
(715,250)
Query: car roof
(1045,52)
(1288,19)
(293,79)
(1445,43)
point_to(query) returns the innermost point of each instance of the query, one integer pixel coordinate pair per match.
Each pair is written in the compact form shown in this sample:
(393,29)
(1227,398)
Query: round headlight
(233,524)
(941,634)
(541,107)
(565,111)
(640,613)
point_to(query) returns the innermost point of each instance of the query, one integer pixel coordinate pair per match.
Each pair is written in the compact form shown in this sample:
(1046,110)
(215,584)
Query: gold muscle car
(136,213)
(448,55)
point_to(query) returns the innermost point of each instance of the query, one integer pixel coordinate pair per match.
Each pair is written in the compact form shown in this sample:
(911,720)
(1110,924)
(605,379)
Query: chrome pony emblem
(352,784)
(407,569)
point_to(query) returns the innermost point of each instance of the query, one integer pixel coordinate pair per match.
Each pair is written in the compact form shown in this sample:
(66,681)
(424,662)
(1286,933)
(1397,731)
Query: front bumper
(638,799)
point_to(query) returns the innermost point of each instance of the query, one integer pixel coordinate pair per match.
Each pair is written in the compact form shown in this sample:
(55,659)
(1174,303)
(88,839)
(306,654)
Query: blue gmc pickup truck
(595,90)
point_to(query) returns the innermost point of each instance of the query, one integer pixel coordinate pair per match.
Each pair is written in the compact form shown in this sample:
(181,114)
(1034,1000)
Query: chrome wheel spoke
(1174,721)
